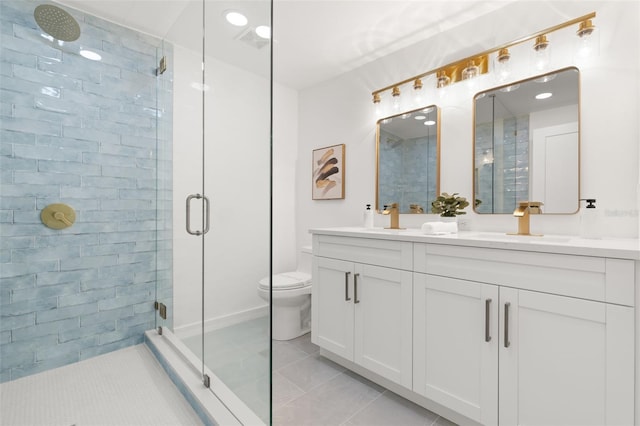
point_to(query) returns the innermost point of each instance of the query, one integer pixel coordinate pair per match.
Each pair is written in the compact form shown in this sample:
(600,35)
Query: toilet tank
(304,259)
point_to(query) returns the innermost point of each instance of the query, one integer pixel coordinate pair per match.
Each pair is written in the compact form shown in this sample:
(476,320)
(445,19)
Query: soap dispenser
(368,217)
(589,219)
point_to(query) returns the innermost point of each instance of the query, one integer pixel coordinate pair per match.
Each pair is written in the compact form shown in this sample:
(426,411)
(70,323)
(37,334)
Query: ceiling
(313,40)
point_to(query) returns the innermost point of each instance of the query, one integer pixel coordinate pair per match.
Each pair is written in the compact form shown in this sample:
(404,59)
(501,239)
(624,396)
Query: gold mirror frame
(413,206)
(491,160)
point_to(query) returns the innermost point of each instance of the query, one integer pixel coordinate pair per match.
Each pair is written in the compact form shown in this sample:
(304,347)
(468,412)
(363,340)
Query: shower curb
(188,381)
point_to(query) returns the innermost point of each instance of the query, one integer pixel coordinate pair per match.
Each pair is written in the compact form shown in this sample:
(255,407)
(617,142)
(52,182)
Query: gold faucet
(394,216)
(522,212)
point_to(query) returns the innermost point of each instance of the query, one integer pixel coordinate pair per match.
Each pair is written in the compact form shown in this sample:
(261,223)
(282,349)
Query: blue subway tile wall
(95,135)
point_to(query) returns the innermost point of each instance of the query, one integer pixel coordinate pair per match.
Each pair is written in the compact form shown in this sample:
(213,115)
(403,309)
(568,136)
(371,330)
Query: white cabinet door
(563,361)
(332,306)
(455,353)
(383,324)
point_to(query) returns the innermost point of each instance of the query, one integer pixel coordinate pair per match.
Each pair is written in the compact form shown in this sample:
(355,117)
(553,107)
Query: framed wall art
(328,173)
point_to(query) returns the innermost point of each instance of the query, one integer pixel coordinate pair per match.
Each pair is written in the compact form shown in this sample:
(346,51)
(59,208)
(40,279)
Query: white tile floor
(121,388)
(129,387)
(311,390)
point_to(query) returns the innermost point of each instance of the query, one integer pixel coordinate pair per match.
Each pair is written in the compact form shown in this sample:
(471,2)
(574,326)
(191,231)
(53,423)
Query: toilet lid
(287,280)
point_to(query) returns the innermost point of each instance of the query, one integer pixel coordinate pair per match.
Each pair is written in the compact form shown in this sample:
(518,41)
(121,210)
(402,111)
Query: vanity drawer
(593,278)
(387,253)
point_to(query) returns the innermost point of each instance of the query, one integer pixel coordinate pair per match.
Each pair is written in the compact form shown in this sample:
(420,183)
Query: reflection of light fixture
(541,52)
(510,88)
(420,117)
(429,123)
(487,156)
(544,95)
(470,71)
(443,79)
(235,18)
(396,98)
(90,55)
(545,78)
(503,66)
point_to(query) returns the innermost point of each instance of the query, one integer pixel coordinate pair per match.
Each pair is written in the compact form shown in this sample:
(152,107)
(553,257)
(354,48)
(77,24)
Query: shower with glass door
(159,149)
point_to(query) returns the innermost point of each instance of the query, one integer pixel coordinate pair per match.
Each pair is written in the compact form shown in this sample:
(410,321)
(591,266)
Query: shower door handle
(206,214)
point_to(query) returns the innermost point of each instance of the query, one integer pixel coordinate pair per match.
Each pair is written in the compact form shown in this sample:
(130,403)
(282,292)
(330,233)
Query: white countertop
(620,248)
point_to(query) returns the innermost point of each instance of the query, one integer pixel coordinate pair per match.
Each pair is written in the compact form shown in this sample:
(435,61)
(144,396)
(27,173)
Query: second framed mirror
(527,144)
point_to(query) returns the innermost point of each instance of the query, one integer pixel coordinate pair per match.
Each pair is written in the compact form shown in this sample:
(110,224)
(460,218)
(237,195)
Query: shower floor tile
(125,387)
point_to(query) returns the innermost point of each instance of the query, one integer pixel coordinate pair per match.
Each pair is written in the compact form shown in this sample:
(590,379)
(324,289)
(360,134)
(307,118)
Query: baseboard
(223,321)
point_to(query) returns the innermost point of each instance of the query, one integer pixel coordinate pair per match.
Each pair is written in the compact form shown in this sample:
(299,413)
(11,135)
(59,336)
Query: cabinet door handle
(355,288)
(487,313)
(507,343)
(346,286)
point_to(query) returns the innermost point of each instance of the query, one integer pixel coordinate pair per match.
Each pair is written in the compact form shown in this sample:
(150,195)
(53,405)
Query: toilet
(291,299)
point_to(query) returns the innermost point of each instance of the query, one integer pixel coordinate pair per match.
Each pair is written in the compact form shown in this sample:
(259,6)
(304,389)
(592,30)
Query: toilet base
(291,321)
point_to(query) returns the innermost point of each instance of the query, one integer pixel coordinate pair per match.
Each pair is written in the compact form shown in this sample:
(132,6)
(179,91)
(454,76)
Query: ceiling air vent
(250,37)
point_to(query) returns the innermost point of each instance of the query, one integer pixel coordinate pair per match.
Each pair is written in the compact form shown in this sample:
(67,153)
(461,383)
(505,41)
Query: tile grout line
(363,408)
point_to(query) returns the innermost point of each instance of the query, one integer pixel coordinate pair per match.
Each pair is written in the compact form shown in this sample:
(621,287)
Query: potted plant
(449,205)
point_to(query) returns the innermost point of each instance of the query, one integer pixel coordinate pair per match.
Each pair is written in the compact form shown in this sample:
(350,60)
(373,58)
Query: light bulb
(588,42)
(541,50)
(418,92)
(503,65)
(395,104)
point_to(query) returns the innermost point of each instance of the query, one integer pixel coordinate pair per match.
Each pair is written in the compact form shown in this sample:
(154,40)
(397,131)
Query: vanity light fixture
(476,65)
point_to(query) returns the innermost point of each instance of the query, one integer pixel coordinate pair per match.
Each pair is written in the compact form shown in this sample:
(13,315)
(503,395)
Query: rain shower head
(57,22)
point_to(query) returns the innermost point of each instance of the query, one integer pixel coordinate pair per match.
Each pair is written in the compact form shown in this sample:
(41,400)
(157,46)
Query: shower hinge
(162,67)
(206,380)
(162,308)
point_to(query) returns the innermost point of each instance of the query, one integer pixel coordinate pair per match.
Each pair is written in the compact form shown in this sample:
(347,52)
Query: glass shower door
(220,77)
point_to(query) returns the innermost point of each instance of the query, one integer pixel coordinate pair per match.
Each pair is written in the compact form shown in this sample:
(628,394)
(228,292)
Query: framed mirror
(527,144)
(408,160)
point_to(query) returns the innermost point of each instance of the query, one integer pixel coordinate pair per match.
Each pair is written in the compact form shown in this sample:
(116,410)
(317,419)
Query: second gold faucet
(523,212)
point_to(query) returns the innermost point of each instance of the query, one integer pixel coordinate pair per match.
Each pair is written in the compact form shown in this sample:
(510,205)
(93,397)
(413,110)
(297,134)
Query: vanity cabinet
(362,311)
(482,334)
(488,346)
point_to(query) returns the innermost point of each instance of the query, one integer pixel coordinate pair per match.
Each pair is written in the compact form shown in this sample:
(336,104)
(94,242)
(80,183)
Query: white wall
(237,174)
(340,111)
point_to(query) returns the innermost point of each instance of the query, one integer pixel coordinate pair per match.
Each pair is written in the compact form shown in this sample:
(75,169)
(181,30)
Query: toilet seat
(286,281)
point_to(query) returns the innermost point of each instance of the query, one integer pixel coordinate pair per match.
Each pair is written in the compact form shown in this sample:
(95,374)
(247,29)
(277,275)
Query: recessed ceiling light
(90,55)
(236,18)
(263,31)
(420,117)
(544,95)
(429,123)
